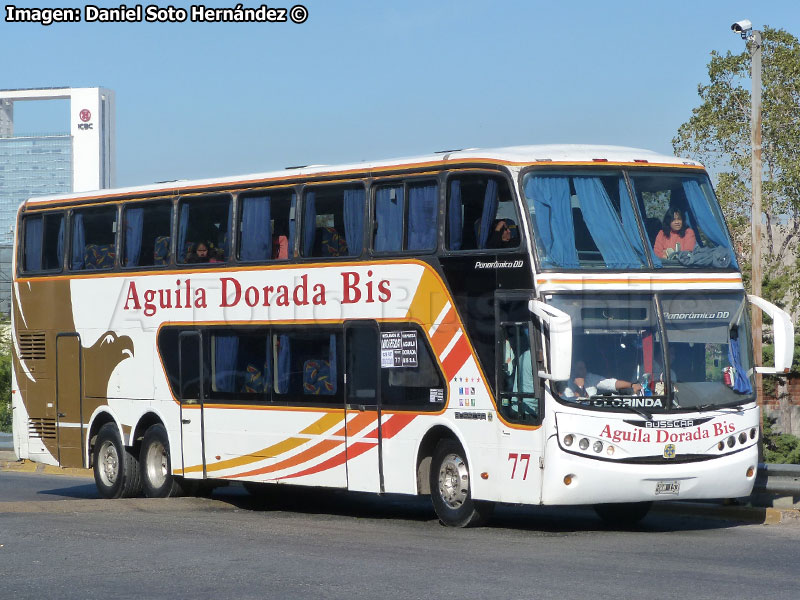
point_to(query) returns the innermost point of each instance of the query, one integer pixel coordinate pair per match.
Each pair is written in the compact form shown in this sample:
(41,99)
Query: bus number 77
(519,458)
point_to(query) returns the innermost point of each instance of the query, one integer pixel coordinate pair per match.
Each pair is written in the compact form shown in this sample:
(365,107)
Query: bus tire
(451,492)
(156,464)
(116,469)
(623,514)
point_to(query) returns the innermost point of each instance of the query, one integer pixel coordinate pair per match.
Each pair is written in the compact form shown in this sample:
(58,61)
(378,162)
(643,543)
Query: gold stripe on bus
(316,428)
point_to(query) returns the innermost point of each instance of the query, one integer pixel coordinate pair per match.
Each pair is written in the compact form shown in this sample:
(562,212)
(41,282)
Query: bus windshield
(586,220)
(623,358)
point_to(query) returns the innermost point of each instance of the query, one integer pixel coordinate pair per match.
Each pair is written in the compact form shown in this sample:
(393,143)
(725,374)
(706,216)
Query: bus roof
(511,156)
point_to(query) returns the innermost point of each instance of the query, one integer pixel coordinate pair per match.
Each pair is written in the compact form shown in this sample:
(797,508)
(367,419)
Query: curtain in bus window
(256,228)
(629,222)
(226,239)
(554,228)
(284,365)
(603,224)
(489,211)
(741,383)
(454,217)
(60,247)
(354,221)
(183,229)
(292,223)
(705,218)
(309,223)
(33,243)
(332,361)
(78,242)
(389,208)
(134,218)
(422,201)
(226,353)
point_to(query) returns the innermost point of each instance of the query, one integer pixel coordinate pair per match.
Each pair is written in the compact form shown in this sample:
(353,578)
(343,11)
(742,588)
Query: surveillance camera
(740,26)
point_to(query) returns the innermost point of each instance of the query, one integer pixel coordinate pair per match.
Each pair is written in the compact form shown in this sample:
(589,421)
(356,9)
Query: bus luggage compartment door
(69,400)
(363,407)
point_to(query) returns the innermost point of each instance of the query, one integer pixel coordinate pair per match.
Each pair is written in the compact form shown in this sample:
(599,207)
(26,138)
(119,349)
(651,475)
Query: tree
(718,135)
(5,387)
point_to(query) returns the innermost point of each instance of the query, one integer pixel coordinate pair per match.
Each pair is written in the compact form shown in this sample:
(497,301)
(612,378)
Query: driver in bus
(584,384)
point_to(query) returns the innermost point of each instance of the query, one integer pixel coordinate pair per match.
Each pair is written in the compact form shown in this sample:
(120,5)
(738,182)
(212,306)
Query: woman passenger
(674,236)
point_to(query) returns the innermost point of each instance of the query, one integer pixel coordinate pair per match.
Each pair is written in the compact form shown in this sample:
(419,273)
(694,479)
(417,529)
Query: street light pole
(755,166)
(753,36)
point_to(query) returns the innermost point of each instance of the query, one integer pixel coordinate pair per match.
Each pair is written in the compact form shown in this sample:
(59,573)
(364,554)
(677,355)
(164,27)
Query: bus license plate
(669,488)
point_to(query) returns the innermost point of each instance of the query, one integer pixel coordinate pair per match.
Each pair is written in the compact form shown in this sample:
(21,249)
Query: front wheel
(156,465)
(451,492)
(623,514)
(116,470)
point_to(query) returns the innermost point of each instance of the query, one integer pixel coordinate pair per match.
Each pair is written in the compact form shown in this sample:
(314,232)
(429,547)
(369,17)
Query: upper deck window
(683,221)
(405,217)
(44,242)
(203,230)
(584,220)
(94,235)
(148,228)
(266,225)
(333,221)
(480,214)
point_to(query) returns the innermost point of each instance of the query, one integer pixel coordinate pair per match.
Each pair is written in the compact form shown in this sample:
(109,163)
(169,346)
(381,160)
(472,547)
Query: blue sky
(365,80)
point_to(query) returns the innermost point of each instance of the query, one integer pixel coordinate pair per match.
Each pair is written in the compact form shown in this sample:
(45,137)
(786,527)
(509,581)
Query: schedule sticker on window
(398,349)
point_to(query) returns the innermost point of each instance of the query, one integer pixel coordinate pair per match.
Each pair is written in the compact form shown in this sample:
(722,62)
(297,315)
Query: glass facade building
(31,166)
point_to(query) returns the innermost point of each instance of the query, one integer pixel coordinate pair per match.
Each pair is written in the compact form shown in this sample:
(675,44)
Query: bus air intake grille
(32,346)
(44,429)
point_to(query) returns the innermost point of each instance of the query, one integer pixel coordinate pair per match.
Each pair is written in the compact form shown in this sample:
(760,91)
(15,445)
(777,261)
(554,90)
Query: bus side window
(480,214)
(94,239)
(266,231)
(204,221)
(333,221)
(307,366)
(43,248)
(148,228)
(406,217)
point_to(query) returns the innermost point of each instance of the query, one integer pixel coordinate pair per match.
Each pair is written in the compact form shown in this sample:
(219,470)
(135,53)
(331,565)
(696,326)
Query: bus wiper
(736,408)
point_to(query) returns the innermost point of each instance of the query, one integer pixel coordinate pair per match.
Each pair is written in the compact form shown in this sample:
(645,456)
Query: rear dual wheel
(116,468)
(156,465)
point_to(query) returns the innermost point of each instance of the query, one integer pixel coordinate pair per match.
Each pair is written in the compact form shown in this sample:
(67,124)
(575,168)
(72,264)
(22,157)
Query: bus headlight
(568,439)
(742,437)
(731,442)
(610,450)
(583,444)
(597,446)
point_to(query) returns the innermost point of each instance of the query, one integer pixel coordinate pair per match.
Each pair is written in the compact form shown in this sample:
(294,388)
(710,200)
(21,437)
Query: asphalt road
(57,540)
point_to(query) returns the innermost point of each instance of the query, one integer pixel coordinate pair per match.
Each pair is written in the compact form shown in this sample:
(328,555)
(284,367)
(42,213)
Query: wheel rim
(157,464)
(453,481)
(109,463)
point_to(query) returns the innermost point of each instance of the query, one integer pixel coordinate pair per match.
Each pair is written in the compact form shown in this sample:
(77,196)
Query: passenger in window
(584,384)
(280,242)
(675,235)
(201,254)
(502,235)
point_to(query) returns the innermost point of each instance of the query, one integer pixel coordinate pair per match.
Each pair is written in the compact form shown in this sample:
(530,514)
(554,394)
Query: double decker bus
(554,325)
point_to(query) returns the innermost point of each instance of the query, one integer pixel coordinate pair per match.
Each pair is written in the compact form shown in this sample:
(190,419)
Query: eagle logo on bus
(669,451)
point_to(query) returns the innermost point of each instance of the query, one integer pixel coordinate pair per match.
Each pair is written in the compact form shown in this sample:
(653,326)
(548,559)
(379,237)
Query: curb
(26,466)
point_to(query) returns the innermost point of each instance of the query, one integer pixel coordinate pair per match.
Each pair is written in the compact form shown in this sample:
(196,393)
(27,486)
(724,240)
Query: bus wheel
(450,488)
(624,514)
(156,465)
(116,470)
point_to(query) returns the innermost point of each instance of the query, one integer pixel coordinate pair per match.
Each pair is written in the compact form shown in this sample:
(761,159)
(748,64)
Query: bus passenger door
(69,400)
(190,356)
(520,399)
(363,407)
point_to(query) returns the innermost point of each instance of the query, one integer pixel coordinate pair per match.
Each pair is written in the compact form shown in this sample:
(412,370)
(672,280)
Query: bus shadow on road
(545,519)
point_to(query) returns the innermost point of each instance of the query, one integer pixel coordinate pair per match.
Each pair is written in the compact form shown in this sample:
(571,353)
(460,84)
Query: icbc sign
(86,116)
